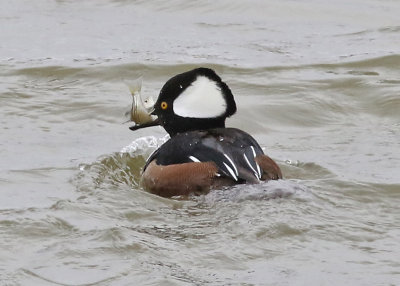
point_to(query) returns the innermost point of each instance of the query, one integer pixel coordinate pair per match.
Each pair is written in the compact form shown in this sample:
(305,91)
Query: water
(316,83)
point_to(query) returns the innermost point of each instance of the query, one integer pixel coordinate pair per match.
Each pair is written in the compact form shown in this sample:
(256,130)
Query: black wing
(232,150)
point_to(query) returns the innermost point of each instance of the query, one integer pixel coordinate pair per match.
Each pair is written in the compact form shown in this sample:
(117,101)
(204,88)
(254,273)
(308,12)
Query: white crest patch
(202,99)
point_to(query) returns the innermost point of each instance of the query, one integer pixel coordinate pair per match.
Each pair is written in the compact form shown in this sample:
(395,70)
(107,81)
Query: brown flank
(196,177)
(179,179)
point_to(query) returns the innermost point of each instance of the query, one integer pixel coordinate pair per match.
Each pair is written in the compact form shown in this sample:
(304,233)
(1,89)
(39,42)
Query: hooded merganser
(201,153)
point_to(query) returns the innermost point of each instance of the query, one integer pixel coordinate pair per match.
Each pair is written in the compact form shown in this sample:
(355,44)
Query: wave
(364,67)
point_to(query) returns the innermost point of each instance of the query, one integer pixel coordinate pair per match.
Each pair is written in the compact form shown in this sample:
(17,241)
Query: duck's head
(194,100)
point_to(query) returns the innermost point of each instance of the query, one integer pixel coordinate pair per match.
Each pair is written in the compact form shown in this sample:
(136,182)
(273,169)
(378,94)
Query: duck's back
(197,160)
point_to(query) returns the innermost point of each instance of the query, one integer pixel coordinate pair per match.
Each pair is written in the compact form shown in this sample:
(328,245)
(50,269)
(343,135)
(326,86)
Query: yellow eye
(164,105)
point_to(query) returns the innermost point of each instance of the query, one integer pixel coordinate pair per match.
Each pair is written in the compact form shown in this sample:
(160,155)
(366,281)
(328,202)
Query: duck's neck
(181,125)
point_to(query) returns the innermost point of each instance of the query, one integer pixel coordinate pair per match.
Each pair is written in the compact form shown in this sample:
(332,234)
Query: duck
(201,154)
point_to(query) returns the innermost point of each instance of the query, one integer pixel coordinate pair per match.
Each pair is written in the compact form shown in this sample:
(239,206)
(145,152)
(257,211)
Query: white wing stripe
(258,170)
(233,165)
(194,159)
(254,151)
(230,171)
(258,167)
(248,163)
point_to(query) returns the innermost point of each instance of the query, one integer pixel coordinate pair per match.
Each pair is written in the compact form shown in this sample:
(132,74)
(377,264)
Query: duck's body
(201,153)
(196,161)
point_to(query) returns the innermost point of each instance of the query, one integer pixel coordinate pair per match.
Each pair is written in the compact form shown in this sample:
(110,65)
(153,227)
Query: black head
(194,100)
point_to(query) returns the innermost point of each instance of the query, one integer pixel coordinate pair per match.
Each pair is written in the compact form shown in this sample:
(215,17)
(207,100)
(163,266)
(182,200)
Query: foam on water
(142,145)
(263,191)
